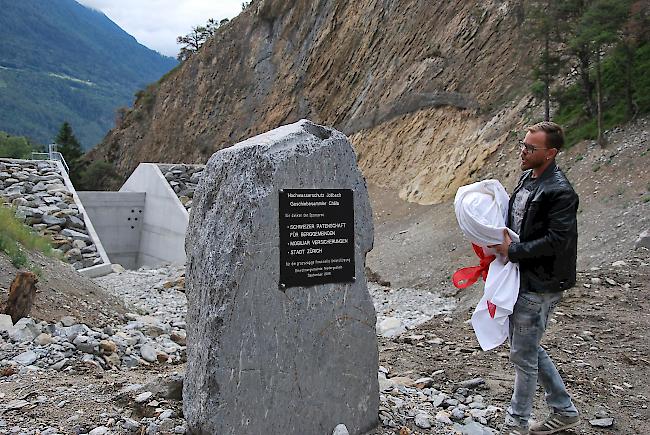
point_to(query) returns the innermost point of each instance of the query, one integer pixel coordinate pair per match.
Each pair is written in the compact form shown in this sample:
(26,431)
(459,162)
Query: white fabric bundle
(482,209)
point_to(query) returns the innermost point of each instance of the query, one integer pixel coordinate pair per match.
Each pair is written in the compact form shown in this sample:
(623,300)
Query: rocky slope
(426,91)
(42,200)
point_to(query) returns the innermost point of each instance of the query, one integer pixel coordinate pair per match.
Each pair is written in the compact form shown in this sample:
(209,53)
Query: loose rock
(602,422)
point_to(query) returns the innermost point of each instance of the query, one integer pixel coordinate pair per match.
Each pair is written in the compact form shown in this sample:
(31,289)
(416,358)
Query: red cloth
(467,276)
(492,309)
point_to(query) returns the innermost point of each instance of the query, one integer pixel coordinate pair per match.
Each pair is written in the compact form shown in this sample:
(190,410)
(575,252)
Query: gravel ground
(69,357)
(155,292)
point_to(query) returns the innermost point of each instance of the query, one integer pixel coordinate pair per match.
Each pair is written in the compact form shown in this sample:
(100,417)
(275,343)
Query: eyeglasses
(529,148)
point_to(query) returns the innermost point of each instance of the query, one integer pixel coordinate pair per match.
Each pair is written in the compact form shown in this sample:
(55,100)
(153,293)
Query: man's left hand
(502,248)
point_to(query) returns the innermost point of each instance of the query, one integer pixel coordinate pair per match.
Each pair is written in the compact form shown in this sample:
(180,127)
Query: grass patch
(16,238)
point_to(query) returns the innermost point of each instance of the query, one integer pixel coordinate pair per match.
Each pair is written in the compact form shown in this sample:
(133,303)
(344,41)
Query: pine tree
(196,38)
(599,27)
(69,146)
(543,22)
(570,13)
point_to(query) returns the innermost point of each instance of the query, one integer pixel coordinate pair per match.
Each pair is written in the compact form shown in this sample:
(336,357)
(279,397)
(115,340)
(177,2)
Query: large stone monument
(281,327)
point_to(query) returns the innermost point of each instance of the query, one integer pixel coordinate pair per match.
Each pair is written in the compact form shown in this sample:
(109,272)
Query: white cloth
(482,209)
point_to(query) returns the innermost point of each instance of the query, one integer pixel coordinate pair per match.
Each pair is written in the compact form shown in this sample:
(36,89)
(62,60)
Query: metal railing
(52,154)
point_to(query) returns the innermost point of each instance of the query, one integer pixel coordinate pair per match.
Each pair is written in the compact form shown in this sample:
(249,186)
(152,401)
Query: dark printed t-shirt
(519,204)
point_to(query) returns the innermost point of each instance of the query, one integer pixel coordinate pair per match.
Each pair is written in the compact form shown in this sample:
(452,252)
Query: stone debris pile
(154,334)
(418,401)
(42,201)
(151,338)
(183,179)
(65,345)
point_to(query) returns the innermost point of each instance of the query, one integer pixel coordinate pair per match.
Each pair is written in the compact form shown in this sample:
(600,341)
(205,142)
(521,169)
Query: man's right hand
(502,248)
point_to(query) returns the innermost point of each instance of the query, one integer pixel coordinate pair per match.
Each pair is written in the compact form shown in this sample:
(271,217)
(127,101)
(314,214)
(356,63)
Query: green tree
(577,51)
(196,38)
(543,18)
(634,33)
(600,26)
(98,175)
(16,147)
(69,146)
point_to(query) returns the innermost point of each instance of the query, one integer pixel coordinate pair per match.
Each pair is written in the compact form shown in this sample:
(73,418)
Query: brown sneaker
(554,423)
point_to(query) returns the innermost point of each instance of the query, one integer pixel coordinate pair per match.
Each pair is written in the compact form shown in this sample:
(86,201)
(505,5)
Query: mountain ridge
(62,61)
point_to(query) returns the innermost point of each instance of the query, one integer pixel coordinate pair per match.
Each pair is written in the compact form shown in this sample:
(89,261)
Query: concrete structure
(144,223)
(117,217)
(164,221)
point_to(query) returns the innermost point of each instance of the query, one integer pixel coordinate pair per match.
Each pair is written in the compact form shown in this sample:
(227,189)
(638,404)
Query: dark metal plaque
(316,236)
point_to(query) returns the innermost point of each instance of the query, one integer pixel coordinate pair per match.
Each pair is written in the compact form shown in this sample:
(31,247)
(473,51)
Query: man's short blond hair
(554,133)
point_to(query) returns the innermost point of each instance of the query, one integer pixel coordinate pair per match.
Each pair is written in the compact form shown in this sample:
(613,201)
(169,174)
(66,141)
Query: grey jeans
(528,322)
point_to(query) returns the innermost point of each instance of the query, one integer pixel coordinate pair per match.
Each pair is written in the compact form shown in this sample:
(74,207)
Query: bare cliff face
(426,91)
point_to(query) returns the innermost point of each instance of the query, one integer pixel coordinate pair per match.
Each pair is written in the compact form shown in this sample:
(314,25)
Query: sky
(157,23)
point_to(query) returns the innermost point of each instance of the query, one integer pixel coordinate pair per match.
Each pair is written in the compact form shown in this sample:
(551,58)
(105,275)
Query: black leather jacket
(547,250)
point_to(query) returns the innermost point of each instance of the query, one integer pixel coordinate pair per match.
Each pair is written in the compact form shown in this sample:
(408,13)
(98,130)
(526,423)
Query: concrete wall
(162,237)
(117,218)
(100,269)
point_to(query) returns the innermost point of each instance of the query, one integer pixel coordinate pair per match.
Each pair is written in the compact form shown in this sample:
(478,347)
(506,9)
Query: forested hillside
(60,61)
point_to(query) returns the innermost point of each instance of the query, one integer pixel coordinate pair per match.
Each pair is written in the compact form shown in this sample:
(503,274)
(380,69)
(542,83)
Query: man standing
(542,211)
